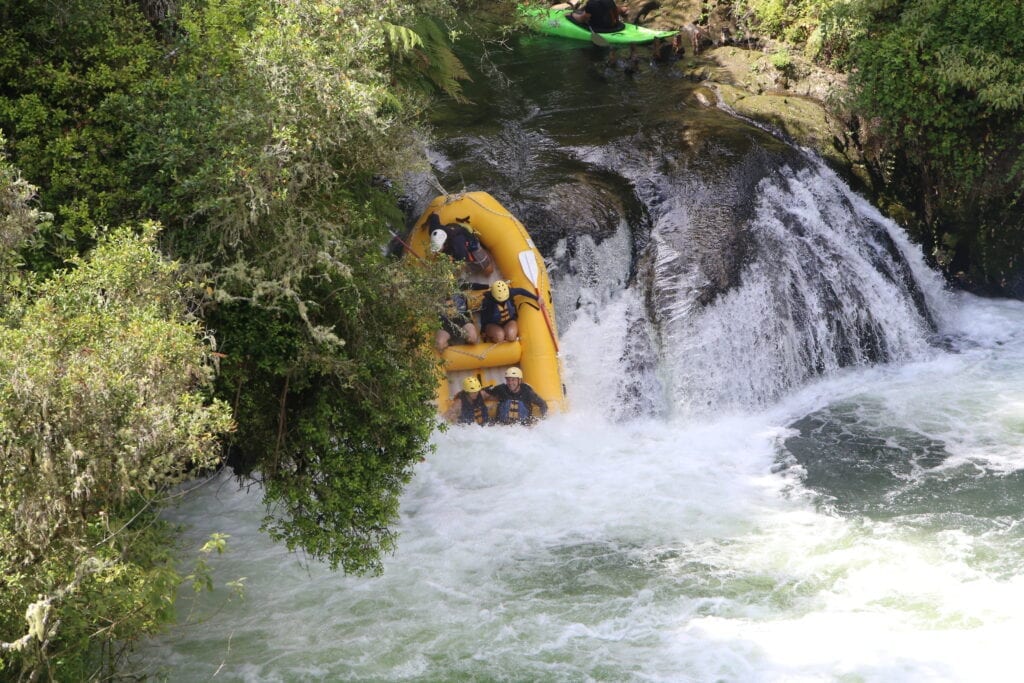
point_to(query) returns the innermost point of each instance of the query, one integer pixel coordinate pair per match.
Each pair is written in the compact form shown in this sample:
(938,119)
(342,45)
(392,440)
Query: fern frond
(433,62)
(401,40)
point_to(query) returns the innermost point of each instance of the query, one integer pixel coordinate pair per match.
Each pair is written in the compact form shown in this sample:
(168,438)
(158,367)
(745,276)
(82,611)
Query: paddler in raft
(515,399)
(468,405)
(456,323)
(498,314)
(461,243)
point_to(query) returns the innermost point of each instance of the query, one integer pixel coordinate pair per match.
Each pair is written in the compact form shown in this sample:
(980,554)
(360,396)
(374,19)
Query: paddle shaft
(547,318)
(528,261)
(405,244)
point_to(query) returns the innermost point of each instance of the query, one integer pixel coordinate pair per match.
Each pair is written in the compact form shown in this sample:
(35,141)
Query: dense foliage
(66,74)
(939,88)
(258,134)
(794,21)
(100,413)
(293,113)
(942,82)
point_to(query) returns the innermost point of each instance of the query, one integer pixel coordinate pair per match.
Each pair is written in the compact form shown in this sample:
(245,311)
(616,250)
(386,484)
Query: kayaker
(516,400)
(459,242)
(604,16)
(468,406)
(498,314)
(456,323)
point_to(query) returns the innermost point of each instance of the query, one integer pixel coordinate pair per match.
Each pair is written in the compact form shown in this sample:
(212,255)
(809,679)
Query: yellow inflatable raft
(516,260)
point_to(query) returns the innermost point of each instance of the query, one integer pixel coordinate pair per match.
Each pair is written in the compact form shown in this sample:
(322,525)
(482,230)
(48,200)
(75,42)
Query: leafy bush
(325,350)
(796,22)
(942,82)
(255,132)
(100,413)
(67,72)
(782,61)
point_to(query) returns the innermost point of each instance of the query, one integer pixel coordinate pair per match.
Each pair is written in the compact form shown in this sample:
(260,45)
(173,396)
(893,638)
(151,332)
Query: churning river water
(862,522)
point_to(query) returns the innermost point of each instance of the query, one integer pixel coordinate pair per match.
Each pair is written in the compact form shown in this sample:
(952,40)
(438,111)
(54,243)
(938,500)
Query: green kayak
(556,22)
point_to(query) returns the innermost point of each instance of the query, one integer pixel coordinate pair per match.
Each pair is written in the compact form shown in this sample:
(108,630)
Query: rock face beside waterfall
(748,77)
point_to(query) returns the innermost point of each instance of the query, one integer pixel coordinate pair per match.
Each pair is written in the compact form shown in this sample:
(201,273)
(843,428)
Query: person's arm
(519,291)
(489,311)
(452,414)
(535,398)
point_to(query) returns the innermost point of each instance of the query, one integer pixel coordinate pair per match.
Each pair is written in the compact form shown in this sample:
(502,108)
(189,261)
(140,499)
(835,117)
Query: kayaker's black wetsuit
(603,15)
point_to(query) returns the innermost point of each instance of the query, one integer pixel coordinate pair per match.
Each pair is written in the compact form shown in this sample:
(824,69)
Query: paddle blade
(528,261)
(596,39)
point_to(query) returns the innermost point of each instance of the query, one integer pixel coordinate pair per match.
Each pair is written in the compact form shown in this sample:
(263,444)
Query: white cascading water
(822,290)
(682,548)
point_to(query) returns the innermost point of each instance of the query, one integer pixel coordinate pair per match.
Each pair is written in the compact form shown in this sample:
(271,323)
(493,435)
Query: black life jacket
(472,239)
(472,411)
(507,311)
(462,242)
(497,312)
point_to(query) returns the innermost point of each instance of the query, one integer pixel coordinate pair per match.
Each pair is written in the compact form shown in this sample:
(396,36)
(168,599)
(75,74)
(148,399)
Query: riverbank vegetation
(194,221)
(936,103)
(195,198)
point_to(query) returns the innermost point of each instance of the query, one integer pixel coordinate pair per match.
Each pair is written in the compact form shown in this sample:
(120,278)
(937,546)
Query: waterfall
(732,309)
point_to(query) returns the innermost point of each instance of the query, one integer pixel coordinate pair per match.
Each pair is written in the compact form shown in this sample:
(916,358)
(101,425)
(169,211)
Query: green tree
(795,21)
(258,133)
(263,146)
(20,221)
(101,412)
(941,82)
(67,71)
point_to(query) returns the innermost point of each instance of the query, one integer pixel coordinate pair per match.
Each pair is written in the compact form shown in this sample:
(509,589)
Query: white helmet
(437,239)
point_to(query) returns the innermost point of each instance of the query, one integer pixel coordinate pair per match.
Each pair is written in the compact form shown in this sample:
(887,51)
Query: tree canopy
(246,149)
(938,86)
(102,411)
(943,83)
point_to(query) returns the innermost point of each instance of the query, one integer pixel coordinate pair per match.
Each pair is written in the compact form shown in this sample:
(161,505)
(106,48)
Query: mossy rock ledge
(791,101)
(763,80)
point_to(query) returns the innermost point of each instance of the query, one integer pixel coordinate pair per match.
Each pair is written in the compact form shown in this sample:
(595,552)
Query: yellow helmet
(471,385)
(514,372)
(499,290)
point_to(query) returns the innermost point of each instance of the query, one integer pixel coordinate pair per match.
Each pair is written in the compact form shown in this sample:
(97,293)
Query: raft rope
(437,185)
(496,213)
(478,356)
(500,214)
(449,198)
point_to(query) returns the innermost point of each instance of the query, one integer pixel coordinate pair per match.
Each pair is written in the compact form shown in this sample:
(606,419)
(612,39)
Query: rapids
(792,455)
